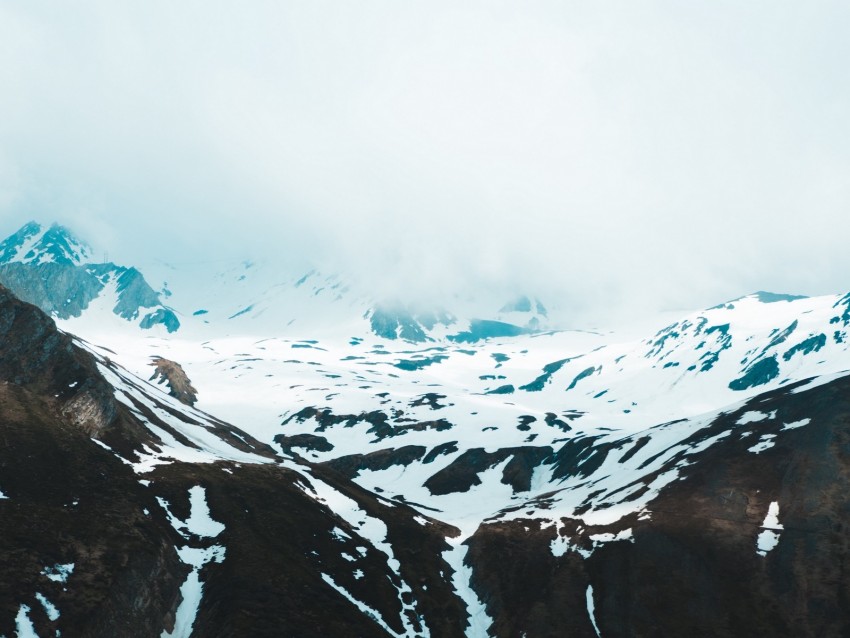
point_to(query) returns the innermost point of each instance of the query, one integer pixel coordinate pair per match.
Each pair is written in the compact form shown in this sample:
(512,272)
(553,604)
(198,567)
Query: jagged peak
(36,244)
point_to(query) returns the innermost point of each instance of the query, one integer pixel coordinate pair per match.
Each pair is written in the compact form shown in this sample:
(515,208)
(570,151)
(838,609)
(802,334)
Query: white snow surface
(49,608)
(200,524)
(768,538)
(591,611)
(192,588)
(796,424)
(479,622)
(646,401)
(755,417)
(58,573)
(766,442)
(257,381)
(23,625)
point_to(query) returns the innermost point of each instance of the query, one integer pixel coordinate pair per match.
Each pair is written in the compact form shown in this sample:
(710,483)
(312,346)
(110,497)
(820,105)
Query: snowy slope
(258,298)
(470,422)
(517,398)
(422,425)
(36,244)
(52,268)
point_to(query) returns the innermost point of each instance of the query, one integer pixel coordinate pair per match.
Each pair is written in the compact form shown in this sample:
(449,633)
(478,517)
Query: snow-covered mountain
(55,270)
(50,267)
(403,416)
(413,473)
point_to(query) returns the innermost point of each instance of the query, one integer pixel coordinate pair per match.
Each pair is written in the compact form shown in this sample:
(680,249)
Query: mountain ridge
(52,268)
(149,518)
(531,482)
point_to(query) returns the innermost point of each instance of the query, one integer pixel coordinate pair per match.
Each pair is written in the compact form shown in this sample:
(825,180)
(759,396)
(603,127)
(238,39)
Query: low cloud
(614,158)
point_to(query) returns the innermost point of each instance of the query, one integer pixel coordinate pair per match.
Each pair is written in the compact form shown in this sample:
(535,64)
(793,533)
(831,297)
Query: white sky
(617,156)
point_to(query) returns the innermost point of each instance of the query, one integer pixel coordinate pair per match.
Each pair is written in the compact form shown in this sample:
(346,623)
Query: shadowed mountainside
(125,512)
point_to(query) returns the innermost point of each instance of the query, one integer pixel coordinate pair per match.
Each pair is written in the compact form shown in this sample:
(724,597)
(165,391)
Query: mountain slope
(51,268)
(748,541)
(375,469)
(171,521)
(107,549)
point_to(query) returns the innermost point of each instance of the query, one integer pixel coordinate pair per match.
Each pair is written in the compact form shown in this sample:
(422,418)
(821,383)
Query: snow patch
(59,573)
(591,611)
(49,608)
(623,535)
(754,417)
(339,534)
(23,625)
(200,521)
(479,621)
(363,607)
(764,443)
(771,527)
(795,424)
(200,524)
(192,589)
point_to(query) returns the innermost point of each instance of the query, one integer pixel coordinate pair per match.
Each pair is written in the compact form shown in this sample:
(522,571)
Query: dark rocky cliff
(68,501)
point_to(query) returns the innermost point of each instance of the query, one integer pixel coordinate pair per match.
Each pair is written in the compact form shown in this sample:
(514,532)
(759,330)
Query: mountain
(50,267)
(317,462)
(126,512)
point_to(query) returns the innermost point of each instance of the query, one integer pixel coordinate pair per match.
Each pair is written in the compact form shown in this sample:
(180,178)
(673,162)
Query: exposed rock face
(53,270)
(33,353)
(172,375)
(70,502)
(65,290)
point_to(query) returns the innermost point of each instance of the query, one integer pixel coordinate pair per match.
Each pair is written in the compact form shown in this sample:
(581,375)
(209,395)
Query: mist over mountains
(305,456)
(623,160)
(424,319)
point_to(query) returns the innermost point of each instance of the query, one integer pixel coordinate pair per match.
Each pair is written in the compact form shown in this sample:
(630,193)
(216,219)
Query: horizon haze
(615,160)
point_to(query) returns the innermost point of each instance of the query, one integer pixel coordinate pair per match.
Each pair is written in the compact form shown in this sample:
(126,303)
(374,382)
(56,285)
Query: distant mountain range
(307,460)
(51,268)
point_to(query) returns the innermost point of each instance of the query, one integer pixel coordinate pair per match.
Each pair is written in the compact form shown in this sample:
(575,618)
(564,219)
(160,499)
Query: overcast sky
(613,155)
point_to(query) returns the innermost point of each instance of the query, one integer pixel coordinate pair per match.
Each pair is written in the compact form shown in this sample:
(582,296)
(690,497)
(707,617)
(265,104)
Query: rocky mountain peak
(36,244)
(51,268)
